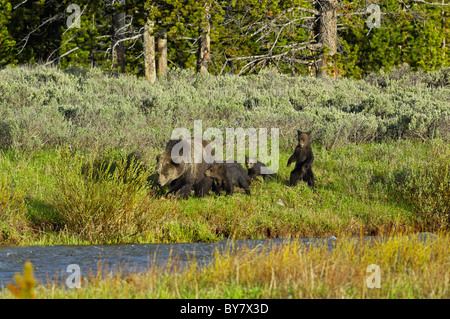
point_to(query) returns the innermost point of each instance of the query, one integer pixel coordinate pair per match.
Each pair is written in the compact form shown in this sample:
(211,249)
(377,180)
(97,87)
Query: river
(52,262)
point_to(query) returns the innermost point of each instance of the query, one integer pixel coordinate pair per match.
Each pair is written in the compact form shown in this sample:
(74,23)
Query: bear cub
(256,168)
(228,175)
(303,158)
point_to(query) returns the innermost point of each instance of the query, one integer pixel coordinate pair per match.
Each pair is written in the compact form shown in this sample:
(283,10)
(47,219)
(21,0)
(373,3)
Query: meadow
(381,149)
(381,155)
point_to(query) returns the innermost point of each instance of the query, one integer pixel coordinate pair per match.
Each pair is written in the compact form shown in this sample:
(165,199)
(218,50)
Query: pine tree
(6,41)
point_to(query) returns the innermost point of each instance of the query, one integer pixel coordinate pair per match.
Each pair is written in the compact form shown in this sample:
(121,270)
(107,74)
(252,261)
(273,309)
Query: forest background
(296,37)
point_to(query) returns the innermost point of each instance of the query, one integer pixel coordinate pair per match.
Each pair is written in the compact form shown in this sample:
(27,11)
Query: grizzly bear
(228,175)
(303,156)
(181,172)
(256,168)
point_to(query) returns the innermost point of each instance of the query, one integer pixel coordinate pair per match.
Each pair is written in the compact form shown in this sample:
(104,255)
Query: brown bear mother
(183,166)
(303,156)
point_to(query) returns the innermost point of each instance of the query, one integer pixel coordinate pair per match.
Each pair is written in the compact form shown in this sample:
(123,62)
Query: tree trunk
(326,30)
(118,49)
(162,53)
(204,46)
(443,28)
(149,52)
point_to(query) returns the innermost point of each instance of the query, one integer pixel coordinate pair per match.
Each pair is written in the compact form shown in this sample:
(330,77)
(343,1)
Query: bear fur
(180,175)
(228,175)
(254,168)
(303,158)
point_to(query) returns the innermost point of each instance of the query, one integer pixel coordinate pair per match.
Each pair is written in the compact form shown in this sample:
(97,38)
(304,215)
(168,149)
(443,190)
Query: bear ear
(158,157)
(309,133)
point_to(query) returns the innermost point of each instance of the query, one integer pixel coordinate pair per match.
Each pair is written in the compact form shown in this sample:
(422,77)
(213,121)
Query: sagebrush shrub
(93,110)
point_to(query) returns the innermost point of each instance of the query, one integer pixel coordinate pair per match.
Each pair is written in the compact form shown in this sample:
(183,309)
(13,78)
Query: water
(51,262)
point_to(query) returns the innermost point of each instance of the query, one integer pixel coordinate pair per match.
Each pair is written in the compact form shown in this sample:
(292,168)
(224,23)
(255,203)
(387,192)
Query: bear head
(216,171)
(250,162)
(167,169)
(304,138)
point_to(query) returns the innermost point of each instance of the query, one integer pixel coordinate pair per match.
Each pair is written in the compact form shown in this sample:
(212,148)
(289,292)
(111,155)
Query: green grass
(380,156)
(381,161)
(62,198)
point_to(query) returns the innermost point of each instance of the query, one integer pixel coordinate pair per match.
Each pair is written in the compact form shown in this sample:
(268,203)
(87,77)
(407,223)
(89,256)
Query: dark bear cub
(228,175)
(256,168)
(303,156)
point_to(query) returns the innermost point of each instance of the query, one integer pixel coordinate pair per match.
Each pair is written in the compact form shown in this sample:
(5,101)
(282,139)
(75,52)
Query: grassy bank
(63,197)
(409,268)
(381,156)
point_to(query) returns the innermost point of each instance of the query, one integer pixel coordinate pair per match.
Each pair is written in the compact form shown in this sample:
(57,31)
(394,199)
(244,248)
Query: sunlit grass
(410,267)
(361,189)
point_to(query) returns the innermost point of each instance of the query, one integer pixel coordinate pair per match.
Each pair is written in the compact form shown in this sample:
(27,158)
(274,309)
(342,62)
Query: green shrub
(12,211)
(427,188)
(430,192)
(99,201)
(93,110)
(5,136)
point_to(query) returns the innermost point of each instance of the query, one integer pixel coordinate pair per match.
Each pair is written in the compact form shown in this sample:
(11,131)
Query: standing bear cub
(303,156)
(228,175)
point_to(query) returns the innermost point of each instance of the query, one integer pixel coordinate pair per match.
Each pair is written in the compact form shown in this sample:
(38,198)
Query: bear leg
(185,191)
(203,187)
(244,184)
(309,178)
(295,176)
(229,188)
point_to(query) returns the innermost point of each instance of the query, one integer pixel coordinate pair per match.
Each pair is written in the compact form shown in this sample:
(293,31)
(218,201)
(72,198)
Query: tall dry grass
(410,267)
(101,200)
(13,210)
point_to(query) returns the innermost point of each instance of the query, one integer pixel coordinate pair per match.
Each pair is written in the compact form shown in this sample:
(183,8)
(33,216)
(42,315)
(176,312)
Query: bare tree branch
(432,3)
(48,58)
(27,37)
(76,20)
(18,5)
(62,55)
(312,11)
(120,41)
